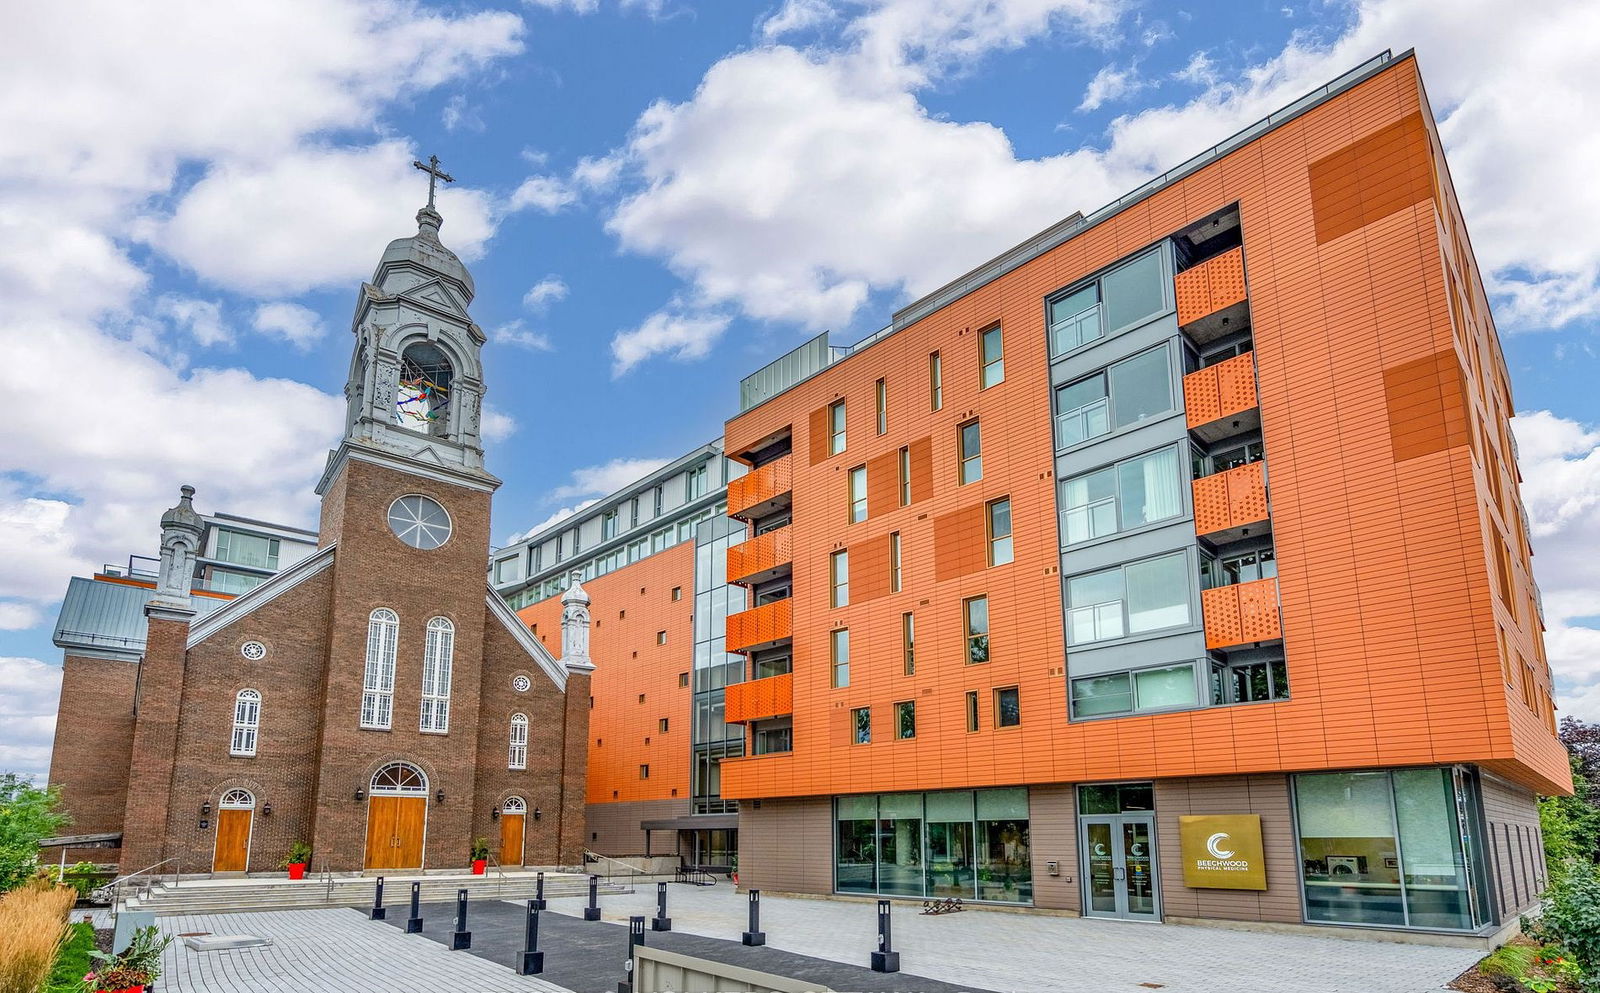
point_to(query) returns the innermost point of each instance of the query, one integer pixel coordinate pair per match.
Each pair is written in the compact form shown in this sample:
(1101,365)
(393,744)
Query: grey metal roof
(110,616)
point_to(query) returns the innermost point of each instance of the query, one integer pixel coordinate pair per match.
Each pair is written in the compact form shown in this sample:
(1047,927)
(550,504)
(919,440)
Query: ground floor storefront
(1438,849)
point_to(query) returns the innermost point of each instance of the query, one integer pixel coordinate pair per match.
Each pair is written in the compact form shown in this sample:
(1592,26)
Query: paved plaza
(340,950)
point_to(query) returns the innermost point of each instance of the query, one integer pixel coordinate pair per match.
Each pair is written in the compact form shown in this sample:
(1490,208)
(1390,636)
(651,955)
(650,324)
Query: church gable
(286,582)
(437,294)
(499,613)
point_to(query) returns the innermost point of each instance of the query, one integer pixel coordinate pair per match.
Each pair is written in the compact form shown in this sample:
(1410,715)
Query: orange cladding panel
(757,554)
(763,625)
(759,485)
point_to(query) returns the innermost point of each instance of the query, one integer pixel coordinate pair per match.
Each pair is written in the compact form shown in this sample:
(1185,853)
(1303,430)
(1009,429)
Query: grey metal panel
(1108,351)
(97,614)
(1105,552)
(1089,660)
(1147,436)
(785,371)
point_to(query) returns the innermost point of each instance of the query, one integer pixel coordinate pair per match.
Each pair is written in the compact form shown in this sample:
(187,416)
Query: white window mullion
(377,681)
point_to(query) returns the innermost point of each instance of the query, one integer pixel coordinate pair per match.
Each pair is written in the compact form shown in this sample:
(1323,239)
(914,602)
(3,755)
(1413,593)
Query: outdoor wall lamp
(537,813)
(494,815)
(361,794)
(205,808)
(266,809)
(439,797)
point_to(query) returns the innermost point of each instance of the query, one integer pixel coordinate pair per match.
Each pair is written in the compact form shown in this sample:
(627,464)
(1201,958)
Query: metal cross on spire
(434,175)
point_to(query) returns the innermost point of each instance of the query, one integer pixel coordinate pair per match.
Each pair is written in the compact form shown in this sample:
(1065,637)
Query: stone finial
(181,531)
(575,626)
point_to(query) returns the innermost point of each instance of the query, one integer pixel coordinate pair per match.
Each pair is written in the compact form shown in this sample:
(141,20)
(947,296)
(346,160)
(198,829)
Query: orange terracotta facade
(1404,593)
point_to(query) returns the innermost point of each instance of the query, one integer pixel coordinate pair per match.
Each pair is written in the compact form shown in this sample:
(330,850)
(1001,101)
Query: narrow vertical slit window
(858,494)
(839,652)
(908,643)
(861,722)
(905,719)
(518,758)
(836,438)
(905,476)
(894,562)
(972,710)
(999,531)
(991,353)
(881,398)
(935,382)
(969,441)
(839,571)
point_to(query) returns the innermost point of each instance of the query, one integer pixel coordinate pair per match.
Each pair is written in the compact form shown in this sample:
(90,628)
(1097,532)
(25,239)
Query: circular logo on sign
(521,684)
(1214,846)
(255,651)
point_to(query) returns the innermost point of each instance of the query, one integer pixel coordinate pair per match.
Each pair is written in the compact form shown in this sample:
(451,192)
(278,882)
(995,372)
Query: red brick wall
(94,744)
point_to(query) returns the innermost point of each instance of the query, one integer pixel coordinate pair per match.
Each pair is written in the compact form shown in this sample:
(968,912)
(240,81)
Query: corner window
(975,615)
(1128,599)
(1121,497)
(1131,391)
(991,354)
(858,494)
(1074,320)
(1249,682)
(969,443)
(839,573)
(1007,708)
(905,719)
(999,514)
(839,654)
(861,722)
(1126,296)
(836,427)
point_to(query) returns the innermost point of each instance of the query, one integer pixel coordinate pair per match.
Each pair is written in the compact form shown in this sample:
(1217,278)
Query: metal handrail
(327,880)
(499,874)
(632,873)
(116,885)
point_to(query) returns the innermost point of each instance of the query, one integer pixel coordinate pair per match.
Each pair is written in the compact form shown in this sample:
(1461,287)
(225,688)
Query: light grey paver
(1046,954)
(337,951)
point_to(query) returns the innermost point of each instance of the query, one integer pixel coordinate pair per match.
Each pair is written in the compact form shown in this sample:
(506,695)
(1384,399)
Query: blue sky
(655,198)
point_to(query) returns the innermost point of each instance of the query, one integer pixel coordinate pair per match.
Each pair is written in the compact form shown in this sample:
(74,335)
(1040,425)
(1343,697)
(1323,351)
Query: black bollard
(661,922)
(538,894)
(885,959)
(379,911)
(592,912)
(461,938)
(635,939)
(414,924)
(755,936)
(532,962)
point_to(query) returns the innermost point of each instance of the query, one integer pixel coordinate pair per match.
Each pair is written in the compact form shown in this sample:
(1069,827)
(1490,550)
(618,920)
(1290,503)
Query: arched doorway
(236,816)
(513,816)
(397,817)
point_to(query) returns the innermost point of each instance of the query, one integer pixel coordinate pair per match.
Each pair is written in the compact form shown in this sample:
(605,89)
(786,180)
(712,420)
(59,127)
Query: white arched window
(399,779)
(438,654)
(377,683)
(514,805)
(519,742)
(246,722)
(237,800)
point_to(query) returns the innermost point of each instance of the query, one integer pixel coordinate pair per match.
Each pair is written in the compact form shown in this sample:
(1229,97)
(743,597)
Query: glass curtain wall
(1386,848)
(972,844)
(713,739)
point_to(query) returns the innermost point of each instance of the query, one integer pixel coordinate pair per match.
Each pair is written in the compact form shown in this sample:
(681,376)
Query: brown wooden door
(233,841)
(511,839)
(380,831)
(411,814)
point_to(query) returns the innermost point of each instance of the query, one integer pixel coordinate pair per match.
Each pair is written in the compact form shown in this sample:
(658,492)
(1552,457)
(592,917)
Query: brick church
(375,699)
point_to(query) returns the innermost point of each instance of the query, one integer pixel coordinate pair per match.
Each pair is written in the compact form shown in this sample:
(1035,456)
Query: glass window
(1000,531)
(608,525)
(1095,695)
(1166,688)
(972,710)
(858,494)
(856,859)
(894,562)
(377,681)
(1128,600)
(222,581)
(900,844)
(1348,849)
(1116,798)
(1437,894)
(839,649)
(935,382)
(1250,682)
(1075,320)
(976,615)
(695,482)
(905,477)
(949,818)
(956,843)
(991,348)
(908,643)
(905,719)
(246,722)
(970,442)
(1125,394)
(839,569)
(1007,708)
(518,757)
(1135,293)
(1004,862)
(881,399)
(438,657)
(247,549)
(836,428)
(861,720)
(1130,494)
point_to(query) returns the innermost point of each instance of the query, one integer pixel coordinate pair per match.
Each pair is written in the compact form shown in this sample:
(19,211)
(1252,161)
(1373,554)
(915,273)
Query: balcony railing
(1213,285)
(1221,390)
(760,626)
(760,488)
(1241,613)
(760,557)
(1230,499)
(759,699)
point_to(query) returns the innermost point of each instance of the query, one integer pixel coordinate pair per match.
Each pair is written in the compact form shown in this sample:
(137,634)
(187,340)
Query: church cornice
(351,451)
(371,297)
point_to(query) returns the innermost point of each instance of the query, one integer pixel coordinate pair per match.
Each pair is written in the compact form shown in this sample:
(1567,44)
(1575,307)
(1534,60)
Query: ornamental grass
(33,924)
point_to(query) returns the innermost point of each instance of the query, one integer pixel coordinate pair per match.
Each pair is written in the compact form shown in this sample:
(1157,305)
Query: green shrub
(27,814)
(1514,961)
(72,962)
(1572,917)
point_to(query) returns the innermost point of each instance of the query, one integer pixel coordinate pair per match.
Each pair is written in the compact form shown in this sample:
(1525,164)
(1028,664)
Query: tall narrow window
(377,681)
(908,643)
(1007,708)
(518,759)
(972,710)
(696,480)
(246,722)
(438,657)
(991,349)
(905,719)
(608,525)
(839,572)
(975,615)
(935,382)
(1000,531)
(858,494)
(882,400)
(836,428)
(969,441)
(861,720)
(905,477)
(894,562)
(839,652)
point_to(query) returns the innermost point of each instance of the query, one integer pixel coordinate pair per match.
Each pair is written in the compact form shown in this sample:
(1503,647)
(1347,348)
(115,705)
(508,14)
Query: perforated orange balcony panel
(1210,286)
(1202,400)
(759,699)
(1242,613)
(758,626)
(760,485)
(1220,607)
(1211,508)
(760,554)
(1222,390)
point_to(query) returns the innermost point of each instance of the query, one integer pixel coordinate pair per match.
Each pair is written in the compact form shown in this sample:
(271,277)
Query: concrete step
(232,895)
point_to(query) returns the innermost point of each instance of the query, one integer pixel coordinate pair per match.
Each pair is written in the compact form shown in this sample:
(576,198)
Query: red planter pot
(127,989)
(479,866)
(297,870)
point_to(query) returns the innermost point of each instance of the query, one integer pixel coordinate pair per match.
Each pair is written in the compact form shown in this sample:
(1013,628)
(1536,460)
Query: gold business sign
(1223,852)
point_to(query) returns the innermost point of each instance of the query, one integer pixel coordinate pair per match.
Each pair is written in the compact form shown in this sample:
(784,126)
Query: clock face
(521,684)
(419,522)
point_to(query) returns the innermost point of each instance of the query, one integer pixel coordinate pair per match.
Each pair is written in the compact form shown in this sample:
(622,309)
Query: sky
(656,197)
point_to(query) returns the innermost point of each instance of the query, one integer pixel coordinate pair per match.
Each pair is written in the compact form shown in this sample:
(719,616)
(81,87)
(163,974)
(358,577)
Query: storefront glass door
(1119,866)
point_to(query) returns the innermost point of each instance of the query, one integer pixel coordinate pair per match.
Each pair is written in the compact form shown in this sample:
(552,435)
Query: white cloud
(1110,85)
(39,545)
(297,325)
(606,478)
(29,690)
(201,318)
(680,335)
(496,425)
(576,6)
(796,16)
(549,290)
(517,334)
(15,616)
(555,518)
(1200,70)
(459,115)
(598,172)
(546,194)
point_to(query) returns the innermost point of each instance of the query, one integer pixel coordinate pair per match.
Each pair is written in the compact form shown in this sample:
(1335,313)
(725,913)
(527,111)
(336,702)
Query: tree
(27,814)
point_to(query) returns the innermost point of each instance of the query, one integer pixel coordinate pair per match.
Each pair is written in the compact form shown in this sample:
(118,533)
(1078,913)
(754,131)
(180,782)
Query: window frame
(837,439)
(839,578)
(970,636)
(963,456)
(839,661)
(517,751)
(1097,281)
(861,731)
(1109,400)
(1131,674)
(1116,499)
(377,678)
(246,723)
(896,577)
(995,702)
(904,465)
(973,716)
(908,643)
(438,664)
(902,709)
(935,382)
(856,505)
(881,404)
(1127,633)
(996,365)
(994,540)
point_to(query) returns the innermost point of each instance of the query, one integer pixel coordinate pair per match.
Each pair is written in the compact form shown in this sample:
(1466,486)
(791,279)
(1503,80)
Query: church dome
(424,250)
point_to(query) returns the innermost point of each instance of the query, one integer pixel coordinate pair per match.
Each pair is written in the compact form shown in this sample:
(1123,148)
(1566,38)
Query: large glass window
(377,681)
(1128,295)
(1249,682)
(949,817)
(856,853)
(438,658)
(957,843)
(1170,687)
(1385,848)
(1125,394)
(1128,600)
(247,549)
(1005,868)
(900,844)
(1130,494)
